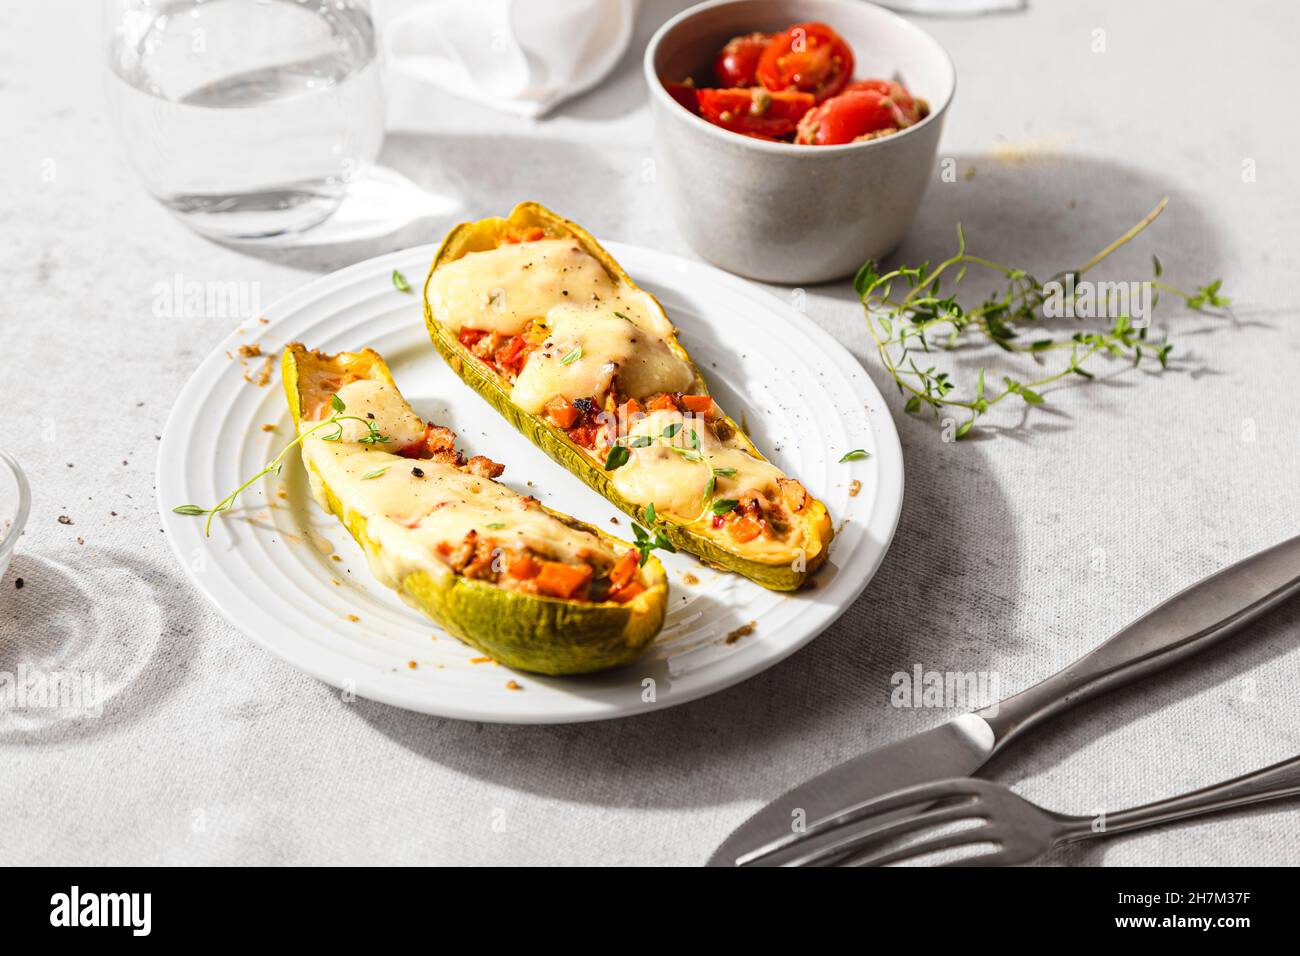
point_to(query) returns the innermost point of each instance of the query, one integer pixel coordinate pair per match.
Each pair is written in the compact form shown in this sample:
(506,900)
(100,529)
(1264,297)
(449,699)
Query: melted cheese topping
(503,289)
(409,516)
(583,350)
(661,474)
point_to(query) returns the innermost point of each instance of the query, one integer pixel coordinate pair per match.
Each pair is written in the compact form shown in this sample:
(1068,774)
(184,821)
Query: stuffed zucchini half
(542,322)
(530,587)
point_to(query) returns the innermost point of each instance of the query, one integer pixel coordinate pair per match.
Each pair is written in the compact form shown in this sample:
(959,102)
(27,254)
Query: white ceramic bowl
(786,213)
(15,503)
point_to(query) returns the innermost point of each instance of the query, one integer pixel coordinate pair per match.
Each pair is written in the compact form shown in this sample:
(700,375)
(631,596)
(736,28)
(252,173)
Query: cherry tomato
(755,110)
(810,57)
(686,95)
(737,62)
(859,111)
(914,110)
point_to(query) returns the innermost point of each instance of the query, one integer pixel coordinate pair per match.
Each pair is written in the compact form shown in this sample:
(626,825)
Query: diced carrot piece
(524,567)
(631,407)
(557,579)
(663,402)
(745,529)
(627,592)
(562,411)
(625,570)
(699,404)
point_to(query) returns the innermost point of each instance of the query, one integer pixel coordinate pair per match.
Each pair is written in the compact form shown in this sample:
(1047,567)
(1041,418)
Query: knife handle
(1186,624)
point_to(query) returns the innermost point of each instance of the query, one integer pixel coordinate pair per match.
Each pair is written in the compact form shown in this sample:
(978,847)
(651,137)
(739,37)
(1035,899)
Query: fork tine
(868,833)
(898,801)
(946,841)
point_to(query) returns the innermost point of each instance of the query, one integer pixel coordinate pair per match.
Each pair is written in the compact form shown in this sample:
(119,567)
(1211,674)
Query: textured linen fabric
(1015,554)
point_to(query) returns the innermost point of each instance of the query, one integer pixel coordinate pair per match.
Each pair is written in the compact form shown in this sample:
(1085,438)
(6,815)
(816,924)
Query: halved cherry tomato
(755,110)
(562,411)
(849,116)
(557,579)
(737,63)
(699,404)
(810,57)
(685,94)
(913,110)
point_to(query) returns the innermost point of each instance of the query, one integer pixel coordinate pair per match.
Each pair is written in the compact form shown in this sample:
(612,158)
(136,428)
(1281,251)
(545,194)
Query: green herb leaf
(640,441)
(573,356)
(856,455)
(724,472)
(374,474)
(189,510)
(495,525)
(650,514)
(724,505)
(336,403)
(622,316)
(672,429)
(617,457)
(400,283)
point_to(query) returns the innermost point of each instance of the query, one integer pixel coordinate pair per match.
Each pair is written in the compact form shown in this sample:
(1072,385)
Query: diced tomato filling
(527,235)
(627,592)
(469,337)
(512,356)
(624,572)
(663,402)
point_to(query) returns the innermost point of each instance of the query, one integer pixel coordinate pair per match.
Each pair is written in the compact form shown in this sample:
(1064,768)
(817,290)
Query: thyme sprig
(372,437)
(909,315)
(652,539)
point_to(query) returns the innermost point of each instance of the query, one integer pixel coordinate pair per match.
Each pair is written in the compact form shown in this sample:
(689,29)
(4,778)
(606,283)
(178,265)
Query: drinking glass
(246,118)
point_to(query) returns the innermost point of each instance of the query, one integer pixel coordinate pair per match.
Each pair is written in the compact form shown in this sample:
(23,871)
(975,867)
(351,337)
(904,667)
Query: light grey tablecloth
(1014,554)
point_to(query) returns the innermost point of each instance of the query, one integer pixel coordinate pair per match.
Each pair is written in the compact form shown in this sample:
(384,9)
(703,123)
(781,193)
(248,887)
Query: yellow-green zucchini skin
(529,632)
(484,235)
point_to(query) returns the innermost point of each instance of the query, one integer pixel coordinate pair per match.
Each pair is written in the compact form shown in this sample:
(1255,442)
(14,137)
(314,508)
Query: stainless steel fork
(1019,831)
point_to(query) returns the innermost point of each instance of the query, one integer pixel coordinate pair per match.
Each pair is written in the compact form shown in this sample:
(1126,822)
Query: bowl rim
(657,88)
(10,539)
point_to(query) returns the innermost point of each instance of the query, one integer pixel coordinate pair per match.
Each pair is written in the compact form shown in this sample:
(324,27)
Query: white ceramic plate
(289,576)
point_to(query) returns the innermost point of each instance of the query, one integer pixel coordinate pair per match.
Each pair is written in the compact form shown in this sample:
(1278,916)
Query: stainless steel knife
(1187,623)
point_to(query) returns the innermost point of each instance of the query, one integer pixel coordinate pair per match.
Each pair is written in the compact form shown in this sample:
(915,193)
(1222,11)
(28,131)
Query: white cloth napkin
(520,56)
